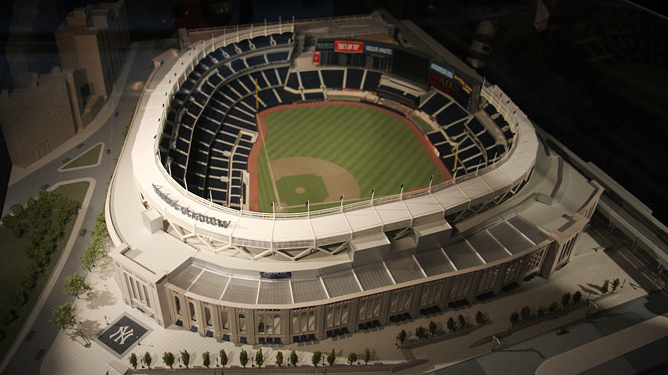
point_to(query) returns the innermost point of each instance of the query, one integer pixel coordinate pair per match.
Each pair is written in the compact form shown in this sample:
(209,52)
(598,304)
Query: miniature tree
(553,307)
(206,359)
(243,358)
(577,296)
(279,359)
(615,284)
(541,311)
(148,359)
(420,332)
(133,360)
(451,324)
(480,318)
(565,299)
(6,317)
(63,316)
(167,358)
(16,298)
(185,358)
(331,358)
(401,337)
(514,318)
(526,313)
(259,358)
(315,359)
(293,358)
(223,357)
(74,284)
(606,287)
(462,321)
(352,357)
(432,327)
(366,356)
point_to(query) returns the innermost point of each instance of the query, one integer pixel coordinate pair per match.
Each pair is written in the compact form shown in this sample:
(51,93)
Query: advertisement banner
(442,70)
(347,46)
(316,58)
(275,275)
(378,49)
(324,46)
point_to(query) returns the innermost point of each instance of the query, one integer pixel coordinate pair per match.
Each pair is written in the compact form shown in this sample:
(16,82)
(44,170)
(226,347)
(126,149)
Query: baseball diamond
(359,148)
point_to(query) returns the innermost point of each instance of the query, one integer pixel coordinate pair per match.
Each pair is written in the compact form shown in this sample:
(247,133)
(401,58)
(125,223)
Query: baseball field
(319,152)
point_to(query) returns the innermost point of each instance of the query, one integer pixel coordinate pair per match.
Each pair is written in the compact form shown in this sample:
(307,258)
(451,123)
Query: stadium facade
(189,252)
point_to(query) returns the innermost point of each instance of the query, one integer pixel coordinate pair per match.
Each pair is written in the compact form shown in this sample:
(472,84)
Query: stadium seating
(211,120)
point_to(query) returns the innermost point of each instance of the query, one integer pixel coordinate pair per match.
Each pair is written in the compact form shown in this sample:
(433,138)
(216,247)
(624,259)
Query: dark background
(596,78)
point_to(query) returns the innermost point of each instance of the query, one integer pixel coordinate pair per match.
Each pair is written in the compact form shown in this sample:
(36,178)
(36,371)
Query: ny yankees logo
(122,334)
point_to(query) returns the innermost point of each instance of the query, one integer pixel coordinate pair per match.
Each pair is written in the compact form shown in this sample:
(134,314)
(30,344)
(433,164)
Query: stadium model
(290,182)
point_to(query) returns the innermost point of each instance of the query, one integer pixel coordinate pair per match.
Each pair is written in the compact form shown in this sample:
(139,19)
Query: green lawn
(313,186)
(86,159)
(379,150)
(15,261)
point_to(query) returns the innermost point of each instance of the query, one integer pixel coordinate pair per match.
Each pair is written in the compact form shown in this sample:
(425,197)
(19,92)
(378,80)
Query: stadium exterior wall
(154,294)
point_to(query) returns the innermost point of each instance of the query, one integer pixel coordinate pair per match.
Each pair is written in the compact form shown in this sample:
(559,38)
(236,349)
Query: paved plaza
(102,311)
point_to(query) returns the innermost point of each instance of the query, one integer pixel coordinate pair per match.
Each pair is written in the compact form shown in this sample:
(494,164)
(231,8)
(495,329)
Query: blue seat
(332,78)
(451,114)
(434,103)
(310,79)
(255,60)
(277,56)
(282,74)
(371,81)
(436,137)
(293,81)
(354,78)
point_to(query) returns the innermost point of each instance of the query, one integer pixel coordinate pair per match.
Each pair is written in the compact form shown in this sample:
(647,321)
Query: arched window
(207,316)
(277,324)
(177,305)
(295,323)
(344,314)
(192,311)
(226,319)
(311,321)
(242,323)
(260,324)
(304,322)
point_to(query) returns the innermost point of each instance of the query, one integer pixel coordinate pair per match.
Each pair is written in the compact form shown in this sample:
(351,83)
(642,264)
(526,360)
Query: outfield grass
(379,150)
(15,262)
(86,159)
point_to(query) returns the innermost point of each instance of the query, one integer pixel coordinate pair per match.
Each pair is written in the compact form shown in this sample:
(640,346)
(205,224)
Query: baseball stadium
(290,182)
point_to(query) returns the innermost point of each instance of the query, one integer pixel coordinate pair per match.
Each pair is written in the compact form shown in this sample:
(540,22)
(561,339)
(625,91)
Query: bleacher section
(464,135)
(206,139)
(210,125)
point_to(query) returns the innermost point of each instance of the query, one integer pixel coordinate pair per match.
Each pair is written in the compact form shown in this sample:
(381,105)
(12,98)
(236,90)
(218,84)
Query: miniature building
(38,118)
(95,38)
(46,110)
(190,253)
